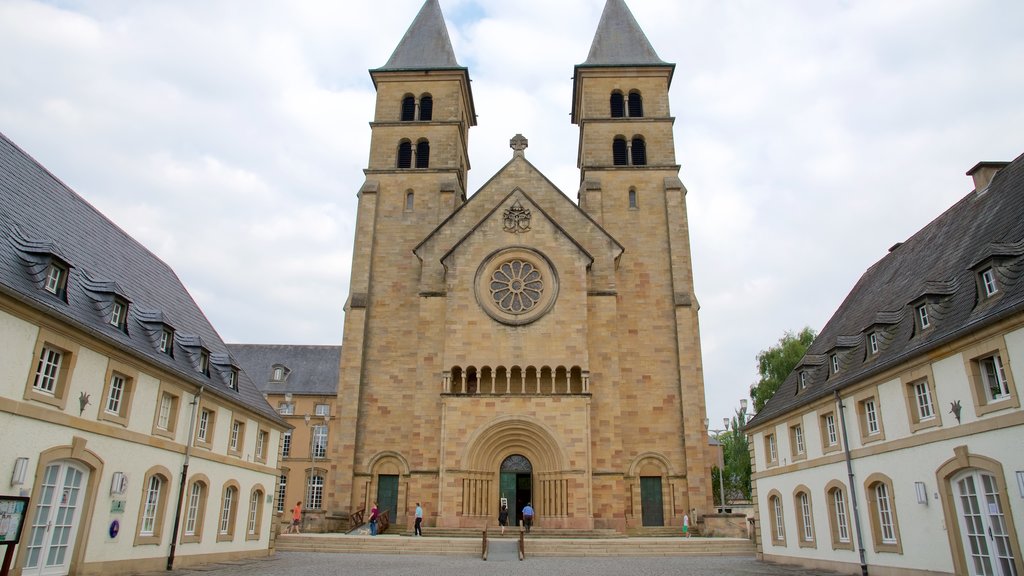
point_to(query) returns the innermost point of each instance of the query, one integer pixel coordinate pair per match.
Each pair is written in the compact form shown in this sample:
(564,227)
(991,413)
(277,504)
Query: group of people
(418,527)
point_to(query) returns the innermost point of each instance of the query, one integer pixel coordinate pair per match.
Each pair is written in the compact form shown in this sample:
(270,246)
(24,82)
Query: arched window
(617,105)
(423,154)
(885,529)
(804,516)
(632,198)
(195,509)
(408,108)
(254,520)
(426,107)
(620,156)
(838,515)
(409,201)
(228,508)
(405,154)
(639,151)
(314,490)
(152,511)
(775,514)
(636,105)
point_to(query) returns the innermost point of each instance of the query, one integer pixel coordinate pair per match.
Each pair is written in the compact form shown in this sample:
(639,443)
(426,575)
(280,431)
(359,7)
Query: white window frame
(780,529)
(805,514)
(835,363)
(54,278)
(193,508)
(873,342)
(319,441)
(314,491)
(286,444)
(233,379)
(803,380)
(871,417)
(48,371)
(923,400)
(798,436)
(842,523)
(322,410)
(831,435)
(166,341)
(278,374)
(204,423)
(117,313)
(115,394)
(236,429)
(887,526)
(261,440)
(204,362)
(151,507)
(163,419)
(922,316)
(988,280)
(254,505)
(282,491)
(773,449)
(995,377)
(224,527)
(286,408)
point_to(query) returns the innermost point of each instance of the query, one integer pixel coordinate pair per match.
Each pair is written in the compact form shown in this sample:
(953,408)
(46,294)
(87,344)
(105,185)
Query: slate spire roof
(619,41)
(426,45)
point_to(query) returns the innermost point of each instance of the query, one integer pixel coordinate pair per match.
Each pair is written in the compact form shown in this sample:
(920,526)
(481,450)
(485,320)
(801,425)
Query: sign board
(117,507)
(13,510)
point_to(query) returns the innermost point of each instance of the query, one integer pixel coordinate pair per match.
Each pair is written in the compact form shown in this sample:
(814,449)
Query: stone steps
(552,547)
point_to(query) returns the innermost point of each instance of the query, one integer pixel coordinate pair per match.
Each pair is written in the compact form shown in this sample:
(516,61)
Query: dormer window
(873,343)
(278,375)
(233,379)
(988,282)
(56,279)
(803,380)
(204,362)
(119,314)
(922,316)
(167,342)
(835,363)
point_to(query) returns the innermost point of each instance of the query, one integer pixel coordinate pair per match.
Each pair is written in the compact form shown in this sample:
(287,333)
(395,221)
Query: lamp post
(721,469)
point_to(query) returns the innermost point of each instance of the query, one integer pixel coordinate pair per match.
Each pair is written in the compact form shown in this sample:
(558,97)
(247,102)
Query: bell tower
(415,178)
(629,184)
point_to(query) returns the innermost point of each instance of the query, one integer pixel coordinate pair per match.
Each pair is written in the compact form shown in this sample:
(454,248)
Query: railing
(355,519)
(383,522)
(522,544)
(483,553)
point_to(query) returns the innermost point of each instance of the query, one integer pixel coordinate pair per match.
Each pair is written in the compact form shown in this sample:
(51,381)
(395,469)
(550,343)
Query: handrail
(383,522)
(483,553)
(355,519)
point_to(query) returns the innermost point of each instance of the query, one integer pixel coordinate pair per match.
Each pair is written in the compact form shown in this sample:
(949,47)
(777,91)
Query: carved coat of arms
(517,219)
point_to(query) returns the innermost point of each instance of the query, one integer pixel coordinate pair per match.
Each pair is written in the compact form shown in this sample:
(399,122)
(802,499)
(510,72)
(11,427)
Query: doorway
(983,529)
(650,501)
(55,520)
(387,495)
(516,485)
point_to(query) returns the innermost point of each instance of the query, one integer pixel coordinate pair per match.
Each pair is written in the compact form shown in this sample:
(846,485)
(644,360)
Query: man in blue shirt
(528,516)
(419,520)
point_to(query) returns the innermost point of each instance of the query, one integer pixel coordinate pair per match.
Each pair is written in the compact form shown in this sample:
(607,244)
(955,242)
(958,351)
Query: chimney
(983,172)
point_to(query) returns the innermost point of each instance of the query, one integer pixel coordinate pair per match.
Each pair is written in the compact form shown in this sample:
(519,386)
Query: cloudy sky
(229,136)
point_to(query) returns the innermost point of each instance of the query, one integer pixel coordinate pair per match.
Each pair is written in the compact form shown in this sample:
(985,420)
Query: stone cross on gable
(518,144)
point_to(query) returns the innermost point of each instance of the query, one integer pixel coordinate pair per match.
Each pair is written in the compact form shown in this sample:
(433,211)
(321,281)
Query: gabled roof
(426,45)
(312,370)
(619,40)
(39,212)
(938,264)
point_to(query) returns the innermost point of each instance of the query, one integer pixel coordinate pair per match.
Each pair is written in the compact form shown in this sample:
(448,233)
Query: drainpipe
(184,476)
(853,492)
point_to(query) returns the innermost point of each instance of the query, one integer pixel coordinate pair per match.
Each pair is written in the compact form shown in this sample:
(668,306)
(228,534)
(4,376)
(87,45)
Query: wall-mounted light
(20,470)
(1020,482)
(922,493)
(118,484)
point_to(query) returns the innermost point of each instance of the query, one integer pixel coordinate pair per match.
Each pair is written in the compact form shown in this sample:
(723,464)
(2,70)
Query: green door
(650,501)
(508,491)
(387,495)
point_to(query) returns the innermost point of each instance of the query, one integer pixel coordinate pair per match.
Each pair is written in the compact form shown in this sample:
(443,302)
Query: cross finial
(518,144)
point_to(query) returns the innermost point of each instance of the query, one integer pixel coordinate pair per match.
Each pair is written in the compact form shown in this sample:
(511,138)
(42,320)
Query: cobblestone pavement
(326,564)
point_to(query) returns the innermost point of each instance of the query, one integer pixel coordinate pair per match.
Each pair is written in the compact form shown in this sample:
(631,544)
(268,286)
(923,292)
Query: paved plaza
(326,564)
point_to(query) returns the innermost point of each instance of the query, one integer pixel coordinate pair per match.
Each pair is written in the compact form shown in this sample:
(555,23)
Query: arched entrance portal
(516,484)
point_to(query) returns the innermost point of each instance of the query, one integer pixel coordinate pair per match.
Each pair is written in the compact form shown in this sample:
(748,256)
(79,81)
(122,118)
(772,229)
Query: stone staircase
(544,545)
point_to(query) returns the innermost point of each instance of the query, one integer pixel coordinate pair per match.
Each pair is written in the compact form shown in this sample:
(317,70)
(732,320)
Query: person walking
(686,525)
(373,519)
(296,518)
(418,530)
(503,517)
(528,516)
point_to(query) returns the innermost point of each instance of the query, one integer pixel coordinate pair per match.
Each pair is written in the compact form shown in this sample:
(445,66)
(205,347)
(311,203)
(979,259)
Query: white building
(916,373)
(102,353)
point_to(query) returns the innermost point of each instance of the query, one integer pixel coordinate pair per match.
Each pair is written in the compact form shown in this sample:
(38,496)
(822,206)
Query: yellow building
(123,416)
(518,346)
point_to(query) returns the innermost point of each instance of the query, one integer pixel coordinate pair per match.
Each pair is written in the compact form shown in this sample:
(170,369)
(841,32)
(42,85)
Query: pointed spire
(619,41)
(426,45)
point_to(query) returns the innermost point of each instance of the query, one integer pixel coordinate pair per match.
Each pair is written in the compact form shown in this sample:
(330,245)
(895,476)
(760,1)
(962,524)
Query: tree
(775,363)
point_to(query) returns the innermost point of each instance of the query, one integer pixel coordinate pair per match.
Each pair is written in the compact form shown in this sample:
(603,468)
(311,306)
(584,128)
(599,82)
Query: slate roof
(41,218)
(619,40)
(311,370)
(426,45)
(939,264)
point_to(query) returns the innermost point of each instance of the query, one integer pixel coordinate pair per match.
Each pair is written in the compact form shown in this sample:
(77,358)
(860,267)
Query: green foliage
(775,363)
(737,463)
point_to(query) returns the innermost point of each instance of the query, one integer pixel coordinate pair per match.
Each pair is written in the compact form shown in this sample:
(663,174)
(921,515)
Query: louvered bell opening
(636,105)
(426,108)
(405,155)
(639,152)
(618,109)
(408,109)
(619,152)
(423,154)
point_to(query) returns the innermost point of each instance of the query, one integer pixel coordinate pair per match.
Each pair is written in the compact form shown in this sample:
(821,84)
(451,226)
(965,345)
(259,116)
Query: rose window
(516,286)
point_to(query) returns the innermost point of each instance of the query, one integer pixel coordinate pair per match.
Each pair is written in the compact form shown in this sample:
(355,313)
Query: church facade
(514,346)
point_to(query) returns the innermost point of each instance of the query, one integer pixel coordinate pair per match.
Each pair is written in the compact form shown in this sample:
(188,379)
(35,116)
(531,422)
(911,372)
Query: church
(512,345)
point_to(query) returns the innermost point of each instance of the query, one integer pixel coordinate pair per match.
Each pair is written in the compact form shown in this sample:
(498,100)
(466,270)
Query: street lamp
(721,448)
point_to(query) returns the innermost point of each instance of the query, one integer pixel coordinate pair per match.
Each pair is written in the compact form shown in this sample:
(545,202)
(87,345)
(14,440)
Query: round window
(516,285)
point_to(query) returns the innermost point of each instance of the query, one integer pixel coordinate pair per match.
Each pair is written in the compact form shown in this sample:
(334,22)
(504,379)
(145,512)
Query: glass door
(55,521)
(983,525)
